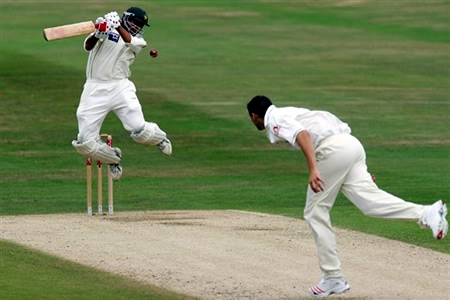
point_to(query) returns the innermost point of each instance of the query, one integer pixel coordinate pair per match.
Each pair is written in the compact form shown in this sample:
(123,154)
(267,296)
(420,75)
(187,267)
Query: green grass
(31,273)
(383,68)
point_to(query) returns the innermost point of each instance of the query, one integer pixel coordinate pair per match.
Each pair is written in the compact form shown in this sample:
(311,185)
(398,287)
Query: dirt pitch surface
(231,254)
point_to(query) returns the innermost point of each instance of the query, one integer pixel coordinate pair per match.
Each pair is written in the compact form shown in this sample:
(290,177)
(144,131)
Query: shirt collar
(266,116)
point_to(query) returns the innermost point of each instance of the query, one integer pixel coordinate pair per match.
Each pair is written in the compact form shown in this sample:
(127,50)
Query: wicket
(99,182)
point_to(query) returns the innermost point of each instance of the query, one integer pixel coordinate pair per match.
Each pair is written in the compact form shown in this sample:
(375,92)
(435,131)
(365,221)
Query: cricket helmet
(134,19)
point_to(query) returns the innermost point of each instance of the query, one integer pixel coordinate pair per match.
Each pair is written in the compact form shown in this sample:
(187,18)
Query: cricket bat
(70,30)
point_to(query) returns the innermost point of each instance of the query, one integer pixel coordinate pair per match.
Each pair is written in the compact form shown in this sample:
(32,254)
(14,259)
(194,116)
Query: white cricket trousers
(101,97)
(341,160)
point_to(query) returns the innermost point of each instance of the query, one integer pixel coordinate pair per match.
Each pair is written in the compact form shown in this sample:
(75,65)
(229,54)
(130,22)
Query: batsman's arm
(134,43)
(305,143)
(90,42)
(126,36)
(101,30)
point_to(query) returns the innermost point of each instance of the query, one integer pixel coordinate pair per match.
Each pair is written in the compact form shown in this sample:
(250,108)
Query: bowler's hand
(315,181)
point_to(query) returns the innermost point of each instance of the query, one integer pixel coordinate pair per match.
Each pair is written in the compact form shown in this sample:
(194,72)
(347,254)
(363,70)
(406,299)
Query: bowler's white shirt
(284,124)
(111,58)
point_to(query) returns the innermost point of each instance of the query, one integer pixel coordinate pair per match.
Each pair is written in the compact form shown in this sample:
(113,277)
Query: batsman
(112,49)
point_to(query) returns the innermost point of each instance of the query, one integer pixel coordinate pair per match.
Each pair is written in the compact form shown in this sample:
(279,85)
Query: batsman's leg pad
(150,134)
(98,150)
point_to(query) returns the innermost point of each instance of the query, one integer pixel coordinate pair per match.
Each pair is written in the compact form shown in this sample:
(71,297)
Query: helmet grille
(131,24)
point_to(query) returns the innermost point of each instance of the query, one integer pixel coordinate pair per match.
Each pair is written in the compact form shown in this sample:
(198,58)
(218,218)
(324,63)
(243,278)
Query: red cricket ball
(153,53)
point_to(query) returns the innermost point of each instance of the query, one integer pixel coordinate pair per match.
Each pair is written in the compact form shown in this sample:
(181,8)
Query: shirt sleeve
(287,129)
(137,44)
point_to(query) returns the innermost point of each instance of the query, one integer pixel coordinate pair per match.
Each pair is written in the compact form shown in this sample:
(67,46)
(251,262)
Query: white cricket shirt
(284,124)
(111,58)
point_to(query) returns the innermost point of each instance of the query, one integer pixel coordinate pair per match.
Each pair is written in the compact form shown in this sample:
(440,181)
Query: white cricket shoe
(435,219)
(116,169)
(328,286)
(165,146)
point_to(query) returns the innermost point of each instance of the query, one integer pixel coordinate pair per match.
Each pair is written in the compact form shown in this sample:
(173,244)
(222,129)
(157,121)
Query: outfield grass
(384,69)
(34,275)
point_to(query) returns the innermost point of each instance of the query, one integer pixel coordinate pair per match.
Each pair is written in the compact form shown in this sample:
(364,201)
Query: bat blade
(70,30)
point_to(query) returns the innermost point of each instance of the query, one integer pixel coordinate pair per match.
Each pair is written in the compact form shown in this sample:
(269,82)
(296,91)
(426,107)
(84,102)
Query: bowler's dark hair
(259,105)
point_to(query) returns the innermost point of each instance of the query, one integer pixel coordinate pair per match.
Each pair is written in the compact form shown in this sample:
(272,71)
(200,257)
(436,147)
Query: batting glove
(101,28)
(113,19)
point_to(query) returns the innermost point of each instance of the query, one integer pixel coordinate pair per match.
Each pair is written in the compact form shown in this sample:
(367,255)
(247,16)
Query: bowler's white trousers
(341,160)
(101,97)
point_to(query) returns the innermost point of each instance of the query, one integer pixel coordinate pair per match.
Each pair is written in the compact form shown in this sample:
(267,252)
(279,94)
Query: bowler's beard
(260,127)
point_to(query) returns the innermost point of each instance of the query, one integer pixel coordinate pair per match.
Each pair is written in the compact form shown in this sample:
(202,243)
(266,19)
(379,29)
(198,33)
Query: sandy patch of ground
(231,254)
